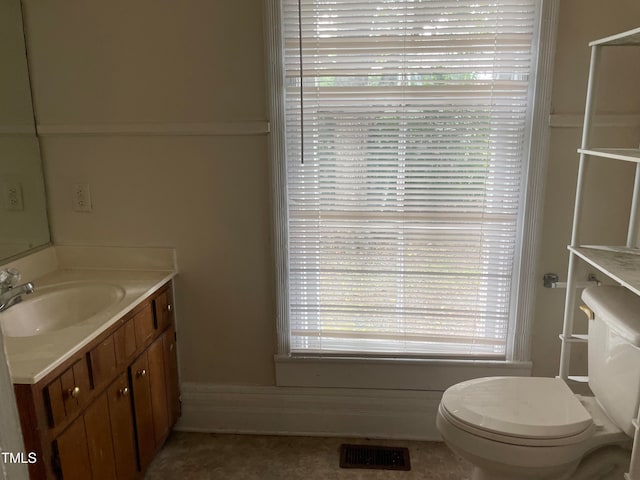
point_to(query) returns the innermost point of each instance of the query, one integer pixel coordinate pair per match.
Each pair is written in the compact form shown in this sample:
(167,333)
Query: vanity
(96,381)
(91,352)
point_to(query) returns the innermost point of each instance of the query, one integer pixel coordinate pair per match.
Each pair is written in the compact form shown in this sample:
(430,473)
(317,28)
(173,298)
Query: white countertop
(31,358)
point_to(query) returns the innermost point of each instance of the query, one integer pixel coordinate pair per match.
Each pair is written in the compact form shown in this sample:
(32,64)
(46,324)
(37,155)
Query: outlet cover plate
(81,197)
(13,196)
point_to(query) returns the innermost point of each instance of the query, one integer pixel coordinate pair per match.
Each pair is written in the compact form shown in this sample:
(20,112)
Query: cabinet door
(85,450)
(98,430)
(142,410)
(171,375)
(150,401)
(122,432)
(73,453)
(158,385)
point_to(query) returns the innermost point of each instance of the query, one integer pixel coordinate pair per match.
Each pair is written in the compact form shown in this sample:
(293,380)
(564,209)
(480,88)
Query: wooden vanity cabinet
(106,412)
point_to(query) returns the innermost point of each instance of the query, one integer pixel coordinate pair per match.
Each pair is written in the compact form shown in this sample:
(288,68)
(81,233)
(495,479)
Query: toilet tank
(614,352)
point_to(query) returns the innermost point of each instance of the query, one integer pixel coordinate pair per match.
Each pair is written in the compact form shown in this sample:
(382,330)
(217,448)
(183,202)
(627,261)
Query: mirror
(23,213)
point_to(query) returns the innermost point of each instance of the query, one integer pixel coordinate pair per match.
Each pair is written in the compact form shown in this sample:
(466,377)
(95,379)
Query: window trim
(518,353)
(388,373)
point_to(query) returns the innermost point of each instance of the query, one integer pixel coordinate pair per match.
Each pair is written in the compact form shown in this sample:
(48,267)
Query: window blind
(406,142)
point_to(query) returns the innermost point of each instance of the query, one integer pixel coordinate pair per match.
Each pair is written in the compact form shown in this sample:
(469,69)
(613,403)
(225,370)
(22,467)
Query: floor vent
(370,456)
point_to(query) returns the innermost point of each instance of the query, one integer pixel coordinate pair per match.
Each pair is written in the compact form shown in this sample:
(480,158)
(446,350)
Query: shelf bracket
(551,280)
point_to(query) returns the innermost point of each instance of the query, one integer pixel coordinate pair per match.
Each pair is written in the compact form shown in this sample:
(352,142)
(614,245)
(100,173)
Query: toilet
(512,428)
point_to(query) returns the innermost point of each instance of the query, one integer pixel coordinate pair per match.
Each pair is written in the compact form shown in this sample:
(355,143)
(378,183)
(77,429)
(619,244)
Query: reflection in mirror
(23,217)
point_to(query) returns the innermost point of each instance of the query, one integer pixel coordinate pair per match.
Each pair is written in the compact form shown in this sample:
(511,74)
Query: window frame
(412,373)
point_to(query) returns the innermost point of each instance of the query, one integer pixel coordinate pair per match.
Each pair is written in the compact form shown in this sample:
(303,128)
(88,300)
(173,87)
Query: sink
(54,307)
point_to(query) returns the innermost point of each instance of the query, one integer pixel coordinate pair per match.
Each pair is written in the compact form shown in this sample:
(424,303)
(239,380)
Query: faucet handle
(9,276)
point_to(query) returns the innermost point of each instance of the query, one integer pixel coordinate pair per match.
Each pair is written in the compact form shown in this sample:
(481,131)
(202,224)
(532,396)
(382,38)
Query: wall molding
(576,120)
(328,412)
(6,129)
(153,129)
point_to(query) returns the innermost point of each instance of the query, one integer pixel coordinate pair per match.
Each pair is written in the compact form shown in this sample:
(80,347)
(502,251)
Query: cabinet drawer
(103,362)
(143,324)
(114,352)
(124,340)
(163,307)
(68,393)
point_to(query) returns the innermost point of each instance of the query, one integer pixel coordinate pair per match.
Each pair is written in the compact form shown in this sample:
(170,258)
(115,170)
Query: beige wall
(149,61)
(202,61)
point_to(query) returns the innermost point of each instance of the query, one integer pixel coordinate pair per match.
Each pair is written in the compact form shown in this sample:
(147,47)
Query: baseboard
(328,412)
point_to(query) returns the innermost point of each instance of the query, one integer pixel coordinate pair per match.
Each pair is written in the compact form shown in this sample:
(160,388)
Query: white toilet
(513,428)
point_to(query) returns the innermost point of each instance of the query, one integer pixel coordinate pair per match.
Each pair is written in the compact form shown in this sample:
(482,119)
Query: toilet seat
(525,411)
(517,441)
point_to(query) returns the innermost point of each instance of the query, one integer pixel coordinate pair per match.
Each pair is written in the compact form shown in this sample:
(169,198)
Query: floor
(208,456)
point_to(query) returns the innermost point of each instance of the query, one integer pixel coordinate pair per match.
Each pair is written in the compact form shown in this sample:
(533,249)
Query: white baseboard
(327,412)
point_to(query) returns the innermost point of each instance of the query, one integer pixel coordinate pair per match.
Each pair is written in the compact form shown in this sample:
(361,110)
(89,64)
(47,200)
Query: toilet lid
(525,407)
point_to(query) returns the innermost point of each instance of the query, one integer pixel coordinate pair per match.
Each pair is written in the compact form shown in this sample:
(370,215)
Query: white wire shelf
(621,264)
(630,37)
(626,154)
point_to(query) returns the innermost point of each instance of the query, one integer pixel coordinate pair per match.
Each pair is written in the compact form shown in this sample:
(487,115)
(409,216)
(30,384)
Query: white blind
(403,214)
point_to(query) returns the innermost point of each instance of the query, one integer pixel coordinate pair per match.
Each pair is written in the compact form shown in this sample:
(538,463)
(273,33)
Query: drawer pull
(141,373)
(124,391)
(74,392)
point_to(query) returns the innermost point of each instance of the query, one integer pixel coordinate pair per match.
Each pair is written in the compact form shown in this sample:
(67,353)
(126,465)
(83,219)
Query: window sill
(393,374)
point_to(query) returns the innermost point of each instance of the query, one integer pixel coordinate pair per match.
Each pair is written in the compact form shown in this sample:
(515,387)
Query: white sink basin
(54,307)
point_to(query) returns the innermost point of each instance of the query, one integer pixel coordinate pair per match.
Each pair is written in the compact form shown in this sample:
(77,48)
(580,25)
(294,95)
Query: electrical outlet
(81,196)
(13,196)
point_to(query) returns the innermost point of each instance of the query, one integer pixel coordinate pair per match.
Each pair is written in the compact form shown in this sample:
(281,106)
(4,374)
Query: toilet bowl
(513,428)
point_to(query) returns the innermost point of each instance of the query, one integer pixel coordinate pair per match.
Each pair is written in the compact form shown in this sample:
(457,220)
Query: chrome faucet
(10,294)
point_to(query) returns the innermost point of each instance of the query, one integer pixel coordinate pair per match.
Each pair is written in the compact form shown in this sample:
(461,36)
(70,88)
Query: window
(407,141)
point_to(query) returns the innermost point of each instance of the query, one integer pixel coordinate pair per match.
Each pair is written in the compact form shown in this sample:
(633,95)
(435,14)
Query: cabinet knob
(124,391)
(141,373)
(169,307)
(74,392)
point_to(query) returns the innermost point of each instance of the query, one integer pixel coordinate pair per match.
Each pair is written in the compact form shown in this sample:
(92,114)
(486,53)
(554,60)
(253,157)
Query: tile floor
(207,456)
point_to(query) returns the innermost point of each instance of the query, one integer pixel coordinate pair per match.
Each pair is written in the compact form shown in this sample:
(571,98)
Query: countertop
(32,358)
